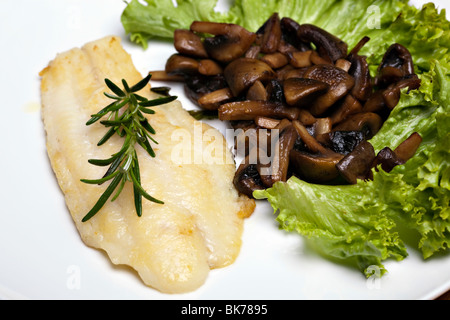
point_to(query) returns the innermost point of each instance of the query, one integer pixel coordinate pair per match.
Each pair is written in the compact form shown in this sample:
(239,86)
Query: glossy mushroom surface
(300,89)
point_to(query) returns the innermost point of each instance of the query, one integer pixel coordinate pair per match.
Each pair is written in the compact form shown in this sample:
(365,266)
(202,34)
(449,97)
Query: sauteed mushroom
(300,80)
(243,73)
(188,43)
(329,46)
(300,92)
(230,42)
(249,110)
(270,34)
(340,83)
(357,164)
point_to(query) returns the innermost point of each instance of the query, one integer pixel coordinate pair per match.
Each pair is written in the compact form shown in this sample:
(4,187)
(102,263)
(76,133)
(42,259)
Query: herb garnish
(126,118)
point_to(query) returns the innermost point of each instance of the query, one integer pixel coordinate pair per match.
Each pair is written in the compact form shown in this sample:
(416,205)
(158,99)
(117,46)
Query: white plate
(40,250)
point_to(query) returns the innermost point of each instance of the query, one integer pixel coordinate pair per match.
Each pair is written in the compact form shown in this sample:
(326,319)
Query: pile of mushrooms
(302,81)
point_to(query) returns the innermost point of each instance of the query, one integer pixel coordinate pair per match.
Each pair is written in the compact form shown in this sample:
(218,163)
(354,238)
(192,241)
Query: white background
(40,249)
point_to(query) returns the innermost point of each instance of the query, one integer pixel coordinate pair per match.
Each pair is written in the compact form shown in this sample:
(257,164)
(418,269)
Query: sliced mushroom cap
(396,64)
(188,43)
(247,179)
(249,110)
(340,83)
(359,70)
(209,67)
(271,34)
(231,41)
(327,44)
(244,72)
(368,123)
(399,57)
(301,91)
(289,32)
(357,164)
(181,65)
(315,168)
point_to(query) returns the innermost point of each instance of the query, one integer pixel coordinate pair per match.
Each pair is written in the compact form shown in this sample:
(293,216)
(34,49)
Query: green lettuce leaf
(354,228)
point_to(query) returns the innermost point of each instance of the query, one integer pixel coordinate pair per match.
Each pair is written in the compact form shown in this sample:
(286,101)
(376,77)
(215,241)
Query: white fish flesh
(172,246)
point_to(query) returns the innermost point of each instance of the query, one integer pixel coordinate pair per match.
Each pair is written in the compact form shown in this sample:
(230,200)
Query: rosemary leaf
(102,200)
(141,84)
(125,116)
(158,101)
(114,88)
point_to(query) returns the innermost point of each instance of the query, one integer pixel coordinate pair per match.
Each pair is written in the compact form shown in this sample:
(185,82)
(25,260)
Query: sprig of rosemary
(126,119)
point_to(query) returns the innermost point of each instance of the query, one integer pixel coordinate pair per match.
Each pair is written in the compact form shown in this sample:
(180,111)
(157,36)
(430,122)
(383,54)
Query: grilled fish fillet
(172,246)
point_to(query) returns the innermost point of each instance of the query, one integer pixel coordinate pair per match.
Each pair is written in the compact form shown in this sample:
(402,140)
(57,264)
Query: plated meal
(342,128)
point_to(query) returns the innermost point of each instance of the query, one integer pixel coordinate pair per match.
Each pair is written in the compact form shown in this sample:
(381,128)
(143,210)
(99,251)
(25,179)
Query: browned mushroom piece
(355,51)
(244,72)
(340,83)
(249,110)
(328,45)
(275,91)
(396,64)
(247,178)
(375,103)
(300,59)
(317,59)
(309,141)
(306,118)
(387,159)
(343,64)
(257,92)
(359,70)
(281,159)
(289,34)
(408,148)
(213,100)
(270,34)
(188,43)
(209,67)
(315,168)
(368,123)
(391,95)
(275,60)
(357,164)
(267,123)
(181,65)
(253,52)
(300,92)
(231,41)
(322,126)
(347,107)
